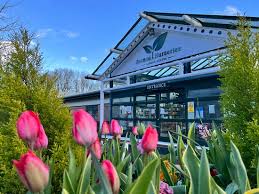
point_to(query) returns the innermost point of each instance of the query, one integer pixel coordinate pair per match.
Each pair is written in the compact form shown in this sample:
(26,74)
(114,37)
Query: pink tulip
(115,128)
(105,128)
(111,175)
(135,130)
(33,173)
(96,149)
(84,128)
(42,140)
(149,140)
(28,126)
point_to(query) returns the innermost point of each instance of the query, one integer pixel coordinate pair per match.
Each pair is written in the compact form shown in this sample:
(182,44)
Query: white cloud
(83,59)
(70,34)
(42,33)
(73,59)
(229,10)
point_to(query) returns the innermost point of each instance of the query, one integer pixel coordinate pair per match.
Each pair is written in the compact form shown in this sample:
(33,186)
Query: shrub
(240,86)
(24,86)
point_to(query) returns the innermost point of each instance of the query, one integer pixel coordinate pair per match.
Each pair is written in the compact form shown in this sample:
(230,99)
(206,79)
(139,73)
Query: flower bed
(113,166)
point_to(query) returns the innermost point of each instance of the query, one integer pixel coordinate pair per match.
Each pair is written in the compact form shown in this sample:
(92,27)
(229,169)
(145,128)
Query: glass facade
(169,108)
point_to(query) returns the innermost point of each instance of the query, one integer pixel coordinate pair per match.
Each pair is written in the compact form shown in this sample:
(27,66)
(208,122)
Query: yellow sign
(190,107)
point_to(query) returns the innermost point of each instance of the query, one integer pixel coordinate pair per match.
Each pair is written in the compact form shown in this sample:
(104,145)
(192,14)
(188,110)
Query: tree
(240,86)
(23,86)
(70,82)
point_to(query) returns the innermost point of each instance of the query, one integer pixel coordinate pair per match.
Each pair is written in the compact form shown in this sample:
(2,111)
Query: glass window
(204,92)
(122,111)
(151,97)
(204,110)
(171,127)
(163,96)
(146,111)
(141,98)
(93,110)
(174,95)
(127,126)
(121,100)
(172,110)
(146,123)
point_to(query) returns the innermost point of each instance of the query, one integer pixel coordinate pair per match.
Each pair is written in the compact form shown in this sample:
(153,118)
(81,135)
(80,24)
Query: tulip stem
(104,145)
(145,159)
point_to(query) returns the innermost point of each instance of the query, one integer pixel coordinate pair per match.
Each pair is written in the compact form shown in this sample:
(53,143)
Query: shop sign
(153,53)
(166,46)
(190,110)
(156,86)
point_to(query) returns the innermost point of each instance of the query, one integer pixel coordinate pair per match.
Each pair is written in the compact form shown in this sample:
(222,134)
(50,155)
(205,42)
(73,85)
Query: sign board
(156,86)
(166,46)
(190,110)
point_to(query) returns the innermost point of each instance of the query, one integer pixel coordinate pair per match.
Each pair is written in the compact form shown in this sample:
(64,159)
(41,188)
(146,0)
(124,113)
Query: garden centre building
(164,71)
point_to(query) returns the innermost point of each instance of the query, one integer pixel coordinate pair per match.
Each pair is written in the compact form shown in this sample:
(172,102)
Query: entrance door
(165,110)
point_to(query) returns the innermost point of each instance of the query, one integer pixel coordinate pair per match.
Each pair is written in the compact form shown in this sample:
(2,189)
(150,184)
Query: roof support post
(116,50)
(101,114)
(128,80)
(147,17)
(192,21)
(181,68)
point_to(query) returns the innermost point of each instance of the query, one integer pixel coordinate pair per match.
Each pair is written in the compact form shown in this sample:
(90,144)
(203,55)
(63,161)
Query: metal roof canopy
(141,28)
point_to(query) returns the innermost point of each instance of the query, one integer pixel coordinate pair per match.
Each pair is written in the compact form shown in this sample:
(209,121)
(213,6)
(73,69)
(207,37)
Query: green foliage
(23,86)
(240,86)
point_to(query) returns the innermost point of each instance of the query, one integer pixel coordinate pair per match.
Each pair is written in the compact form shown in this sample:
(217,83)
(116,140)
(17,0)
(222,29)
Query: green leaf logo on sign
(157,45)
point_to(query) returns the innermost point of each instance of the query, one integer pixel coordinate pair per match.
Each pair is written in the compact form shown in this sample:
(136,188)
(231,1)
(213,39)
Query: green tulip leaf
(123,163)
(191,136)
(241,178)
(179,189)
(204,174)
(67,183)
(192,165)
(231,188)
(167,176)
(141,185)
(129,174)
(180,147)
(84,181)
(64,191)
(171,149)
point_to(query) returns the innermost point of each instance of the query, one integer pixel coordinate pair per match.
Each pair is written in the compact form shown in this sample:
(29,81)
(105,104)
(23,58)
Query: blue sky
(78,34)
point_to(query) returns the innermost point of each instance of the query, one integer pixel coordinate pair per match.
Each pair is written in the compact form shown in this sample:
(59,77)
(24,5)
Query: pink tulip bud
(135,130)
(28,126)
(111,175)
(84,128)
(42,140)
(105,128)
(96,149)
(115,128)
(149,140)
(33,173)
